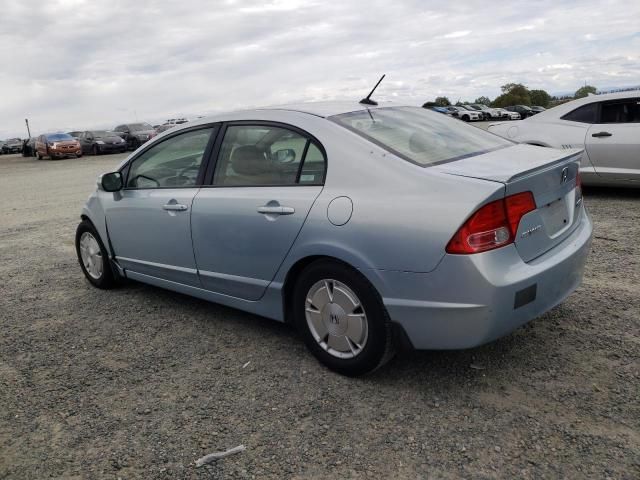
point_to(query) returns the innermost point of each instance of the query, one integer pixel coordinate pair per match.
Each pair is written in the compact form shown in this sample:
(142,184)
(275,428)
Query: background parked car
(607,127)
(14,145)
(537,109)
(57,145)
(440,110)
(4,148)
(96,142)
(135,134)
(75,134)
(509,115)
(464,114)
(489,113)
(523,110)
(165,127)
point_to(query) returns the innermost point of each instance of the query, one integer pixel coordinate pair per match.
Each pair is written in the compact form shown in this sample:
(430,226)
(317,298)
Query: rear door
(149,221)
(266,178)
(613,143)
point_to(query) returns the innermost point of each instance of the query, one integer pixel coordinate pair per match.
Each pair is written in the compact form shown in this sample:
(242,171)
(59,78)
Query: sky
(76,64)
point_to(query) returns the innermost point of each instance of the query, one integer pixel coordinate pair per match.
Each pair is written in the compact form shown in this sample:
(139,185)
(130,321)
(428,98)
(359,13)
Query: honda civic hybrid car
(366,227)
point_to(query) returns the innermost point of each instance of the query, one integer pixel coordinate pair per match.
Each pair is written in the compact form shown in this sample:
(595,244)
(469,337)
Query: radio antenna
(367,100)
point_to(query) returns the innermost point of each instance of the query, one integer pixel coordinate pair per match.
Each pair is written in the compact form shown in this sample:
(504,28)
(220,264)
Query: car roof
(328,109)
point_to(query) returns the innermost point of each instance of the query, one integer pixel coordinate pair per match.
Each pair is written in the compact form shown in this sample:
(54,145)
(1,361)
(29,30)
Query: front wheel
(93,257)
(342,318)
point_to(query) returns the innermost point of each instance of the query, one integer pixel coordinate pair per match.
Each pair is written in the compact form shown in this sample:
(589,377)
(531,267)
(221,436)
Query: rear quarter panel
(403,215)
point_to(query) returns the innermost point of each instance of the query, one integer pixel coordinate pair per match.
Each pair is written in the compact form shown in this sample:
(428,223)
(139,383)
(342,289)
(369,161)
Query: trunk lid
(548,173)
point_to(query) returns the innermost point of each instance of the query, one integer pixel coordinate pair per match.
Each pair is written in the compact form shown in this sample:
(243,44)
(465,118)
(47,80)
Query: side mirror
(285,155)
(110,182)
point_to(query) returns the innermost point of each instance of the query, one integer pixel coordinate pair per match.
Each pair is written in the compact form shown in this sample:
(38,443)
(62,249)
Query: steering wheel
(182,172)
(146,178)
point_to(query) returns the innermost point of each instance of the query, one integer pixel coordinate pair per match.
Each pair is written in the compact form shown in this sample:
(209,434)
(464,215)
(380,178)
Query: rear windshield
(59,137)
(420,136)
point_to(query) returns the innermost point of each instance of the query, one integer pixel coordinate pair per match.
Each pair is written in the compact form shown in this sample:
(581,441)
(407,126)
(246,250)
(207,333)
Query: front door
(149,221)
(613,144)
(265,181)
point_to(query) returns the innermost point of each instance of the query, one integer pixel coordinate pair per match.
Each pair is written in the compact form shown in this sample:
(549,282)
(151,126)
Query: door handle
(175,207)
(276,210)
(602,134)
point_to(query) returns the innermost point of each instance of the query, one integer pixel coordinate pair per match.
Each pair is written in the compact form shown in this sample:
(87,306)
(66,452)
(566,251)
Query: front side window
(584,114)
(627,111)
(263,155)
(419,136)
(174,162)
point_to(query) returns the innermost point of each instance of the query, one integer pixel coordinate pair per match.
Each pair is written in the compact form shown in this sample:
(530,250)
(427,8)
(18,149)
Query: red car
(57,145)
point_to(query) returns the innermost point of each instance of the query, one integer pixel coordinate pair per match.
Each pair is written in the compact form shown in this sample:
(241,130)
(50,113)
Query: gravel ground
(139,382)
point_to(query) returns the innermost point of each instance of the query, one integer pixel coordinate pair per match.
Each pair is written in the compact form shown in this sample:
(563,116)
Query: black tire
(379,346)
(107,279)
(465,118)
(95,150)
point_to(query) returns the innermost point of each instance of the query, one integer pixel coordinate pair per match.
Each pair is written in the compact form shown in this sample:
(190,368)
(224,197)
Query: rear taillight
(492,226)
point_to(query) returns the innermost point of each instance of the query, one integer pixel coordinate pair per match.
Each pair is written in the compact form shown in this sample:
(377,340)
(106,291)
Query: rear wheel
(465,118)
(342,318)
(93,257)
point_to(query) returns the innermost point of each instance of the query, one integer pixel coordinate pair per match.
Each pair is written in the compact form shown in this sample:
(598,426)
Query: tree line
(517,94)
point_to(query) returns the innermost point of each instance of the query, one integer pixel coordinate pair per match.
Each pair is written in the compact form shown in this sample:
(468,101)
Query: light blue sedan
(366,227)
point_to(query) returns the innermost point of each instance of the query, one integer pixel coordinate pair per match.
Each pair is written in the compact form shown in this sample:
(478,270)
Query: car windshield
(420,136)
(102,133)
(57,137)
(137,127)
(481,107)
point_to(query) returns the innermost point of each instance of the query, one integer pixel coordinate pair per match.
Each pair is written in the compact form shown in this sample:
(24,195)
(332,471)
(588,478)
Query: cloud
(99,63)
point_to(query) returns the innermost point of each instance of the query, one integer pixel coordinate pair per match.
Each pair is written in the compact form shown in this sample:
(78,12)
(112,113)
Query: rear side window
(419,136)
(266,155)
(627,111)
(584,114)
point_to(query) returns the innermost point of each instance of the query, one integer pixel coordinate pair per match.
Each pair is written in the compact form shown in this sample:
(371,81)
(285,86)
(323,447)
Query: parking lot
(140,382)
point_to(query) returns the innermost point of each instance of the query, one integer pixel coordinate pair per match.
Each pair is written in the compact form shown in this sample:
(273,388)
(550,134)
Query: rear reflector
(492,226)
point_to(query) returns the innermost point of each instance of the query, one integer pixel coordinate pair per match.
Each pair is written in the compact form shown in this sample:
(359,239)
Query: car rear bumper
(113,147)
(469,300)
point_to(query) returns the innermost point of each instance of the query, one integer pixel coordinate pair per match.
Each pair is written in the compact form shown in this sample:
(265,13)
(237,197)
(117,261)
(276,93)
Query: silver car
(365,227)
(606,127)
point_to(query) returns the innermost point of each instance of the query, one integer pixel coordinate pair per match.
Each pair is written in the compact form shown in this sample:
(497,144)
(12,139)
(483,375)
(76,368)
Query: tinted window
(419,136)
(252,155)
(175,162)
(584,114)
(627,111)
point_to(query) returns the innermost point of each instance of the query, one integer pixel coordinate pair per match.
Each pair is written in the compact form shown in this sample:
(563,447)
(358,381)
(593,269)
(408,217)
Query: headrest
(248,160)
